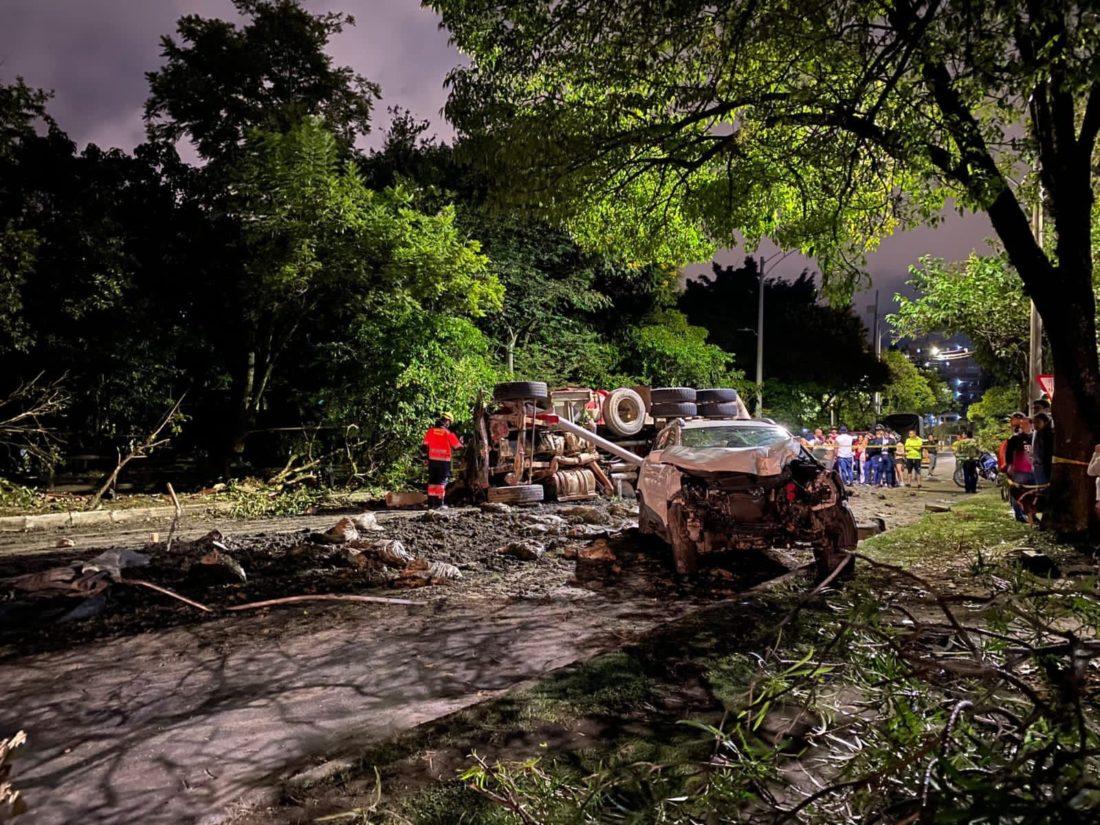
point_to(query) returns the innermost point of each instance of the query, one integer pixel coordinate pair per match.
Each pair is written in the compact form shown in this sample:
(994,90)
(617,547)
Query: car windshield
(732,436)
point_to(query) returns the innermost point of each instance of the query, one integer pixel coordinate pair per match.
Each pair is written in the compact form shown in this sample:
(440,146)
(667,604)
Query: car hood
(759,461)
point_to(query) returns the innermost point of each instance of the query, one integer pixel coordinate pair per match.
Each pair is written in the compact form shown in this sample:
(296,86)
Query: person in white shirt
(844,455)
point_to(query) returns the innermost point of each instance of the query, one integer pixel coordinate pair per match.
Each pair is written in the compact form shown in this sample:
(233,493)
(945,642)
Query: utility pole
(760,347)
(1035,348)
(878,354)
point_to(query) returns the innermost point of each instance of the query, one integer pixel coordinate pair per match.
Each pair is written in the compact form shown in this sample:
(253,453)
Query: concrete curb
(95,518)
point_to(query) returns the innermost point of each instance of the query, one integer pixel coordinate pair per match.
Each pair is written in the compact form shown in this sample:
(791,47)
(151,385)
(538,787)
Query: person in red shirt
(439,445)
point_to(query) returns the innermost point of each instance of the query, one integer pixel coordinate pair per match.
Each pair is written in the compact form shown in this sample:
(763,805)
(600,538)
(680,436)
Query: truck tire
(671,395)
(718,395)
(517,494)
(520,391)
(680,409)
(624,412)
(722,409)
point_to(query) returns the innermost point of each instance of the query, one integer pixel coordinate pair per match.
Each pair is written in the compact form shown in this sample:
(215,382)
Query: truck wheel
(720,409)
(717,395)
(671,395)
(685,553)
(517,494)
(520,390)
(682,409)
(624,412)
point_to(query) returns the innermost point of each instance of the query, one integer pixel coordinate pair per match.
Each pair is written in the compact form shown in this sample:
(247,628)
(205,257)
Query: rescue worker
(438,446)
(967,451)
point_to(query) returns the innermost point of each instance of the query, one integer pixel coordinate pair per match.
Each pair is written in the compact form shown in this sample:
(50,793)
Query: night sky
(94,53)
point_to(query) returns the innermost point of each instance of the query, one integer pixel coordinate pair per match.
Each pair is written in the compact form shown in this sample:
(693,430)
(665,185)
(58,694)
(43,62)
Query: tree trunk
(1071,330)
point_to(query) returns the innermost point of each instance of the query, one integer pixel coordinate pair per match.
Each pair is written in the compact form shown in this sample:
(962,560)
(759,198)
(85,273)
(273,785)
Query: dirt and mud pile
(75,596)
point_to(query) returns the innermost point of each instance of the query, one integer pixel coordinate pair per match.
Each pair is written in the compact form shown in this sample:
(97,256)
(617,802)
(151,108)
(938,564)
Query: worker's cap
(446,416)
(843,429)
(879,428)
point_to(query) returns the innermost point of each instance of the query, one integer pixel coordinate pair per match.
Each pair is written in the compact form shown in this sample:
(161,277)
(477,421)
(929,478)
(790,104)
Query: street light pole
(760,347)
(878,354)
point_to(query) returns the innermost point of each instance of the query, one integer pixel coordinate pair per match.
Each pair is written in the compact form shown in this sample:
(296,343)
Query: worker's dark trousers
(970,475)
(439,473)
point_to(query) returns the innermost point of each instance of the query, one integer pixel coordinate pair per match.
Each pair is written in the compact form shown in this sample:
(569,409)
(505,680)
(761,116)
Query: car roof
(697,423)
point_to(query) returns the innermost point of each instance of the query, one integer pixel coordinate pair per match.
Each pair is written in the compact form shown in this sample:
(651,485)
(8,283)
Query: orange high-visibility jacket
(440,441)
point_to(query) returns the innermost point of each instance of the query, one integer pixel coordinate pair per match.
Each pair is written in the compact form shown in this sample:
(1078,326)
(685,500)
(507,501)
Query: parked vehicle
(987,469)
(727,485)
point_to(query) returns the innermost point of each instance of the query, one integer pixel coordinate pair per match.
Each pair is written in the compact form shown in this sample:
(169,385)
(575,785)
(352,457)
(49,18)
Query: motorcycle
(987,469)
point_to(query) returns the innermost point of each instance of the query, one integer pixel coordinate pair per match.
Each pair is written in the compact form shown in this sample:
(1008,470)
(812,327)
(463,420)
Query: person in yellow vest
(439,445)
(914,450)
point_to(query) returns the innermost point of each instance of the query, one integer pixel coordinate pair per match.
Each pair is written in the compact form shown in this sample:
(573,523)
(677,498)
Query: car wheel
(841,538)
(682,409)
(718,395)
(517,494)
(520,391)
(624,412)
(671,395)
(685,553)
(723,409)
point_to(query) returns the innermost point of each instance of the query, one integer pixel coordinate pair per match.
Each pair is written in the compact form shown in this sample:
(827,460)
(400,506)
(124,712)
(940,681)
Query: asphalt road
(184,725)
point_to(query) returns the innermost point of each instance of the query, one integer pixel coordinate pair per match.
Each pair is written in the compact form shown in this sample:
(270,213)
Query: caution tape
(1059,460)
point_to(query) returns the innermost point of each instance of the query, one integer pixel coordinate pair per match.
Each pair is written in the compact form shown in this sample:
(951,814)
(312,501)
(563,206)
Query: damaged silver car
(709,487)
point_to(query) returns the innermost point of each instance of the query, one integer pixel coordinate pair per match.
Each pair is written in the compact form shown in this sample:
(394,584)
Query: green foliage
(220,81)
(981,298)
(671,352)
(996,404)
(908,390)
(251,498)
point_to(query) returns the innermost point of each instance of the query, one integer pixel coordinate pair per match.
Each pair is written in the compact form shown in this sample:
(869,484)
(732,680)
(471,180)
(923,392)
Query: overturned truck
(710,479)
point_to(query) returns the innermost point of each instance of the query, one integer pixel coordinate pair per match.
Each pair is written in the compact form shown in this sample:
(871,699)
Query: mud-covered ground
(491,551)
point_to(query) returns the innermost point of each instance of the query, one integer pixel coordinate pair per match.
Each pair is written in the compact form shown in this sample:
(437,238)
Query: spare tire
(681,409)
(725,409)
(715,396)
(671,395)
(517,494)
(624,412)
(520,390)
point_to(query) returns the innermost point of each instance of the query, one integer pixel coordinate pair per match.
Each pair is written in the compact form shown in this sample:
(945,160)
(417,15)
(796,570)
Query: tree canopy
(823,125)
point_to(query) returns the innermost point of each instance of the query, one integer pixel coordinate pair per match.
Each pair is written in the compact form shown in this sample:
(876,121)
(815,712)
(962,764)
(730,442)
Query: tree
(908,389)
(821,124)
(220,81)
(980,298)
(316,236)
(668,351)
(814,349)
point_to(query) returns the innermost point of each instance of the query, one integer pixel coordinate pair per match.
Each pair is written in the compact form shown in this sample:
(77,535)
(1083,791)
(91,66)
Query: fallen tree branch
(323,597)
(167,592)
(142,450)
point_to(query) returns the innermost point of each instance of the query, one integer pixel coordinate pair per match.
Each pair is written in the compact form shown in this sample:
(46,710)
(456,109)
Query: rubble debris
(587,515)
(524,550)
(65,543)
(89,607)
(622,510)
(113,562)
(366,522)
(495,507)
(597,562)
(217,564)
(1039,564)
(12,803)
(391,552)
(170,593)
(320,773)
(936,507)
(399,501)
(60,581)
(437,571)
(341,532)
